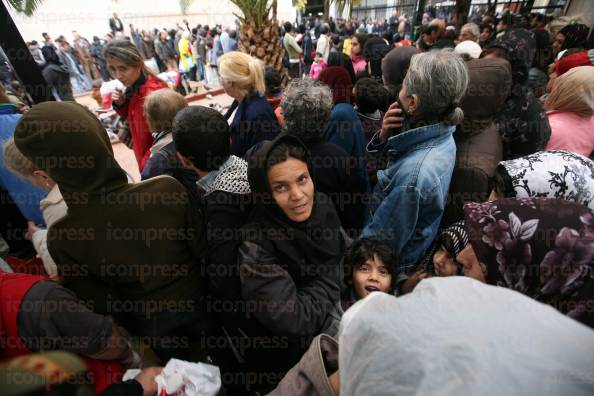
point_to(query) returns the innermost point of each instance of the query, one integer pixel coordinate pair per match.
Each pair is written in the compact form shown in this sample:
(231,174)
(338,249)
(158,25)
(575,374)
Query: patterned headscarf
(543,248)
(549,174)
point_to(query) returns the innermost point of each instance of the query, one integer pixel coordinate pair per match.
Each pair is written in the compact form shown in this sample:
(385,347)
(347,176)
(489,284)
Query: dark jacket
(164,50)
(478,142)
(337,176)
(254,122)
(163,161)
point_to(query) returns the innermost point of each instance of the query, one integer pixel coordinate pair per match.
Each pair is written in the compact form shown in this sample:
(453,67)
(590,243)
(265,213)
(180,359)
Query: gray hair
(306,107)
(474,30)
(439,79)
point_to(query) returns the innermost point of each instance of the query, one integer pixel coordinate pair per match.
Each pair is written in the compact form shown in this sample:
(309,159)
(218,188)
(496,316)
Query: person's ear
(414,104)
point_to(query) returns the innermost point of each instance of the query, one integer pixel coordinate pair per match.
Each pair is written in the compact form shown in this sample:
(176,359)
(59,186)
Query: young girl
(125,63)
(369,266)
(317,67)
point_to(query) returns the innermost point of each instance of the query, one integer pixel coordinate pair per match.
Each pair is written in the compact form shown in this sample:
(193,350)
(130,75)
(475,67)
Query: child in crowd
(160,108)
(317,67)
(369,266)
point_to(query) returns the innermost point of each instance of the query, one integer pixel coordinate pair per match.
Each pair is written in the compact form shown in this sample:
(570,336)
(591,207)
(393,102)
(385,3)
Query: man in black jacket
(115,24)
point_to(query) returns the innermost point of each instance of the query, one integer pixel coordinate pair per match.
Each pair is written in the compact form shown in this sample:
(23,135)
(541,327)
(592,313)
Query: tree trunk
(274,7)
(326,10)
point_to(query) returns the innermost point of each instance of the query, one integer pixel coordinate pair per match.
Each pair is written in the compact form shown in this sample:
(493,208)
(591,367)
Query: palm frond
(184,6)
(26,7)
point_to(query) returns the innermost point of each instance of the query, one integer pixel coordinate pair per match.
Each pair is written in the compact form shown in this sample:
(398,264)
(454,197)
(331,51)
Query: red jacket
(13,288)
(132,110)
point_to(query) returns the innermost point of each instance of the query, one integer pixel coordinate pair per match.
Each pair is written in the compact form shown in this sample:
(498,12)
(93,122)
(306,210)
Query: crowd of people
(406,215)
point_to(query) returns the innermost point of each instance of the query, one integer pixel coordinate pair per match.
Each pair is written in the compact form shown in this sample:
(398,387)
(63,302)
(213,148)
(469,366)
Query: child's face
(444,263)
(317,58)
(372,275)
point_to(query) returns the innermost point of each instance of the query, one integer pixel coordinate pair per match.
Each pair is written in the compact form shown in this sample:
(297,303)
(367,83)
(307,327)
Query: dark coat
(254,122)
(478,142)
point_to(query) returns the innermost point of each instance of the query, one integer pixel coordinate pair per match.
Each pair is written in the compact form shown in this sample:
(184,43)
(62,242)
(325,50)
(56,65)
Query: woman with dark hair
(290,260)
(357,45)
(125,63)
(523,123)
(543,248)
(574,35)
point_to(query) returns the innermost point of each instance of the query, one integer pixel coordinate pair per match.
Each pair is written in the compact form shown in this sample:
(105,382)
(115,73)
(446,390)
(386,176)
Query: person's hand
(334,380)
(117,97)
(392,120)
(412,282)
(146,378)
(31,229)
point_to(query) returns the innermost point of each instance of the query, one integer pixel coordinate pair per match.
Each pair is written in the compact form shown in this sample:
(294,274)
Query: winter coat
(478,142)
(132,110)
(254,122)
(411,193)
(163,161)
(120,244)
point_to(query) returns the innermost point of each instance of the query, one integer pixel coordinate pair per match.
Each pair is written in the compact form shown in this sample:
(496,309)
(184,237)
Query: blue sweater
(24,194)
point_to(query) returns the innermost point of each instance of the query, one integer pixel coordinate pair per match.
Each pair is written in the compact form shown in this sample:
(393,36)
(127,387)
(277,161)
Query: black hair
(366,248)
(335,39)
(324,29)
(288,27)
(283,151)
(362,39)
(342,60)
(507,19)
(272,81)
(487,26)
(202,135)
(431,28)
(370,96)
(501,182)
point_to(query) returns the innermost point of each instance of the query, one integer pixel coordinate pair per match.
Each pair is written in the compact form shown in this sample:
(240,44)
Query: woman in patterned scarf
(543,248)
(546,174)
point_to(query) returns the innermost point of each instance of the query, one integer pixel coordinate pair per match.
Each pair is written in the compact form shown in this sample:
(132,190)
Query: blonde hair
(16,162)
(246,72)
(161,106)
(573,92)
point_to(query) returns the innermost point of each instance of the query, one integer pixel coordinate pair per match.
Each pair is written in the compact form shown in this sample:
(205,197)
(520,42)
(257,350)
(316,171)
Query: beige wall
(91,17)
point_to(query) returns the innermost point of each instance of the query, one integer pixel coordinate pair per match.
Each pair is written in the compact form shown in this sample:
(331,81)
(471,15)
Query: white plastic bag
(183,378)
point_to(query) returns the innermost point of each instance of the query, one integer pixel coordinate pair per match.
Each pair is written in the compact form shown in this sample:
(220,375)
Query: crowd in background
(407,214)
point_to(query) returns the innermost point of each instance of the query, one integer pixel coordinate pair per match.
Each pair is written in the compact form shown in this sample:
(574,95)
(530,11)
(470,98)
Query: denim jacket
(411,193)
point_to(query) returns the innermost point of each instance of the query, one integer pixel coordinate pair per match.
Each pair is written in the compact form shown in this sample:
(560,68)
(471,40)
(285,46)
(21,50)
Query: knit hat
(582,58)
(454,238)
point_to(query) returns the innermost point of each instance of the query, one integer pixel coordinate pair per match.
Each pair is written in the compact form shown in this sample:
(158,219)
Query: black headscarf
(315,242)
(374,51)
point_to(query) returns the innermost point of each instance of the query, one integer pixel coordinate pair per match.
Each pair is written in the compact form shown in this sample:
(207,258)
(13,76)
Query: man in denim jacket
(411,193)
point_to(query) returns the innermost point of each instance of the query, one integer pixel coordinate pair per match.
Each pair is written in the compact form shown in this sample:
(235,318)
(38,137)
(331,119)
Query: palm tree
(26,7)
(259,34)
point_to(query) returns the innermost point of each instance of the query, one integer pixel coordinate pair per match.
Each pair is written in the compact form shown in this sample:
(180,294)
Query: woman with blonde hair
(570,109)
(125,63)
(242,77)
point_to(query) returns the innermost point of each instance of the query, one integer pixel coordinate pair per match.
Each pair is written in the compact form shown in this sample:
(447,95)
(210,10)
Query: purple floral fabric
(541,247)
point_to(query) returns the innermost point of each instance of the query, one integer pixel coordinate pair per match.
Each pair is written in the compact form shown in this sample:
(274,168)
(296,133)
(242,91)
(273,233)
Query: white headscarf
(457,336)
(553,174)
